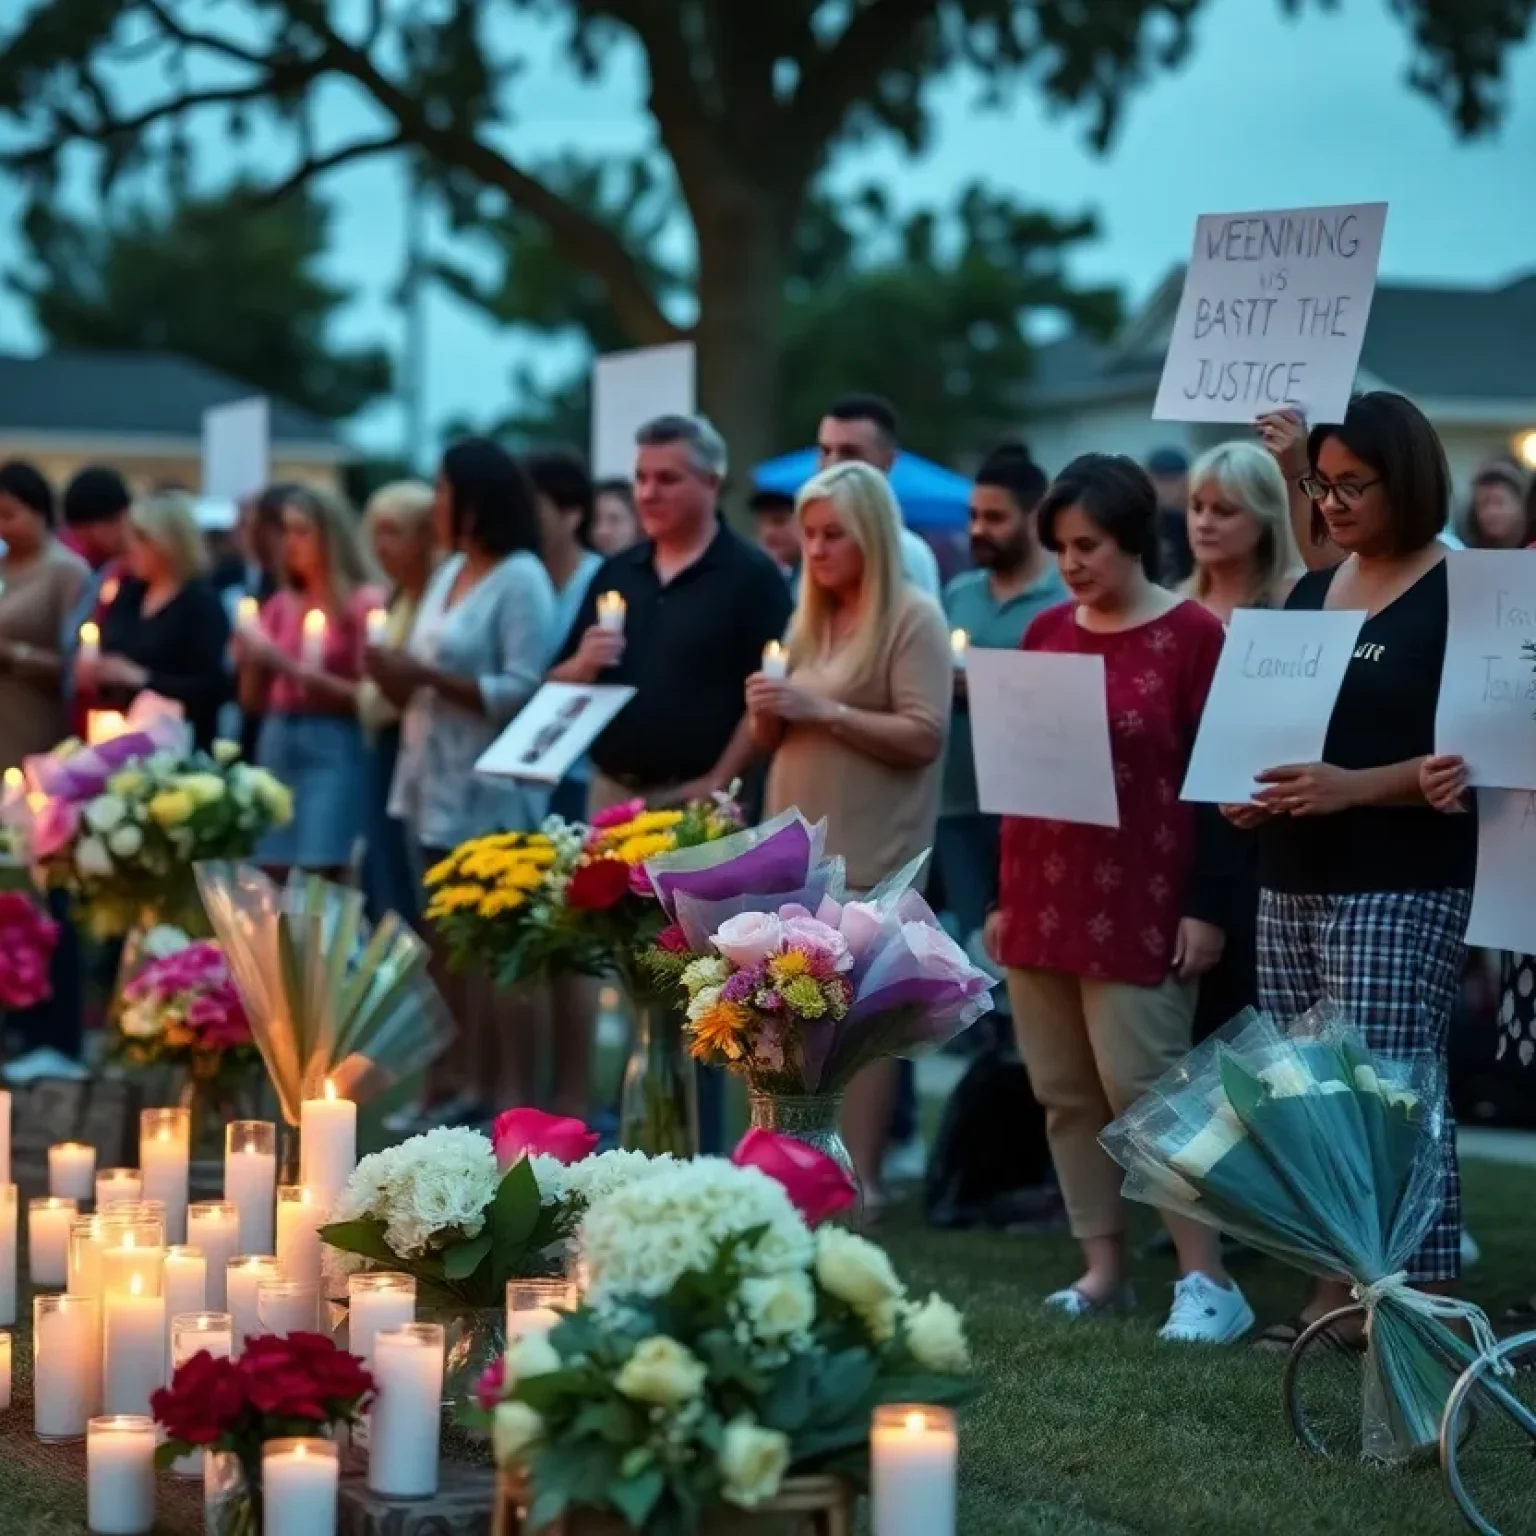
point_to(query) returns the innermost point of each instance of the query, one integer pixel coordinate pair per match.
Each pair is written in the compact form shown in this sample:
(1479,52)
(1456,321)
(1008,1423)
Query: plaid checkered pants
(1391,960)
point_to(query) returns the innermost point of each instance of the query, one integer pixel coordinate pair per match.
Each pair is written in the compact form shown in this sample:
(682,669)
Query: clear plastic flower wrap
(1300,1142)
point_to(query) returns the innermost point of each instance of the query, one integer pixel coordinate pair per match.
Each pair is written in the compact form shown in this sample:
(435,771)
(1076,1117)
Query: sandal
(1280,1338)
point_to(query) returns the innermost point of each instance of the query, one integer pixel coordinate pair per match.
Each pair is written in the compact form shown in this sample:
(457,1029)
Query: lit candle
(403,1425)
(299,1481)
(959,646)
(214,1227)
(313,653)
(775,661)
(247,616)
(7,1255)
(327,1143)
(287,1306)
(912,1455)
(118,1186)
(120,1474)
(197,1333)
(108,593)
(300,1215)
(48,1223)
(65,1351)
(103,724)
(133,1356)
(243,1275)
(250,1180)
(13,781)
(90,642)
(610,611)
(375,1302)
(165,1156)
(5,1370)
(72,1170)
(186,1292)
(377,626)
(535,1306)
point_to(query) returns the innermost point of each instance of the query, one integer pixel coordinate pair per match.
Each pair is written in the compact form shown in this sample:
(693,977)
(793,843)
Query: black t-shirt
(1385,714)
(689,648)
(182,647)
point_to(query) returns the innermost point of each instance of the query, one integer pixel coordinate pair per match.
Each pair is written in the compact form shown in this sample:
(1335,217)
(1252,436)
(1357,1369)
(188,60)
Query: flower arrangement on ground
(27,941)
(722,1346)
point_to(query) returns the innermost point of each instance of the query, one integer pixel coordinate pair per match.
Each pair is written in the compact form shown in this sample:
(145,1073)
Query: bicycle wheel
(1323,1386)
(1488,1441)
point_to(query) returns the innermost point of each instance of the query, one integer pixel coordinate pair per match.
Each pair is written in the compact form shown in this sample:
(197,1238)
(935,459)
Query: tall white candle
(90,642)
(287,1306)
(247,616)
(610,611)
(775,661)
(327,1143)
(377,626)
(133,1328)
(912,1455)
(376,1302)
(243,1275)
(72,1170)
(300,1215)
(214,1227)
(120,1474)
(299,1484)
(65,1346)
(48,1223)
(186,1291)
(5,1369)
(197,1333)
(165,1155)
(250,1180)
(5,1131)
(959,648)
(7,1255)
(118,1186)
(313,651)
(403,1425)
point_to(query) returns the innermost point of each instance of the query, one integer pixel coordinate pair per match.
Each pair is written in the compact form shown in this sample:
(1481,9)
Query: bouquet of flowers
(1301,1143)
(27,940)
(723,1345)
(183,1008)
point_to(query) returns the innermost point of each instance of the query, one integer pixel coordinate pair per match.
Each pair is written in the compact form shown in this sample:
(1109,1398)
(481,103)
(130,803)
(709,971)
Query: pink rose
(54,828)
(749,938)
(617,815)
(939,956)
(807,933)
(492,1383)
(520,1133)
(817,1186)
(860,924)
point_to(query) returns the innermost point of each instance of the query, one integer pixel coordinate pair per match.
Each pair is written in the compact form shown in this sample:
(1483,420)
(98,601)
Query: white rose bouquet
(722,1346)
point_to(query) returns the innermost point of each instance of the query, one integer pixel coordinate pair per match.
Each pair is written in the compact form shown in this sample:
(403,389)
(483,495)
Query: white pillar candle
(186,1291)
(959,647)
(250,1180)
(214,1227)
(242,1276)
(377,626)
(165,1156)
(7,1255)
(120,1474)
(299,1484)
(197,1333)
(133,1357)
(610,611)
(118,1186)
(48,1224)
(287,1306)
(535,1306)
(247,616)
(300,1215)
(376,1302)
(5,1370)
(327,1143)
(65,1351)
(72,1170)
(5,1125)
(775,661)
(90,642)
(404,1422)
(313,651)
(912,1455)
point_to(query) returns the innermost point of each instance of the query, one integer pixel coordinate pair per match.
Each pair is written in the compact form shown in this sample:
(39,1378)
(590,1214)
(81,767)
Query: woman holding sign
(1366,890)
(1104,930)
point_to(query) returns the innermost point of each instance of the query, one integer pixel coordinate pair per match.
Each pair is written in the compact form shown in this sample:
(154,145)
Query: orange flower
(720,1030)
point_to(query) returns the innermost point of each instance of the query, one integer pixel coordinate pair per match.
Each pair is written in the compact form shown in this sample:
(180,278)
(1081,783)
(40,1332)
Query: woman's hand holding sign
(1308,789)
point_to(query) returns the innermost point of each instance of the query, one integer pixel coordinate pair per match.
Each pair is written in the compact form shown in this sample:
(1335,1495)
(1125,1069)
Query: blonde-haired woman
(166,630)
(300,669)
(857,730)
(1240,531)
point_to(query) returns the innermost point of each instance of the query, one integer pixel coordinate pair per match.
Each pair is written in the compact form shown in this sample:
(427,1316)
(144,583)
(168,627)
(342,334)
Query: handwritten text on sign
(1271,699)
(1487,709)
(1273,314)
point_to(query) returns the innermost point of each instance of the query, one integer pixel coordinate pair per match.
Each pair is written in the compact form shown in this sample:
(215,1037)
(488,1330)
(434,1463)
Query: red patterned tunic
(1106,902)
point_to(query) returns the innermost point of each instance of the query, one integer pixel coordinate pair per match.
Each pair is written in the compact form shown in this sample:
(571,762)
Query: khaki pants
(1092,1049)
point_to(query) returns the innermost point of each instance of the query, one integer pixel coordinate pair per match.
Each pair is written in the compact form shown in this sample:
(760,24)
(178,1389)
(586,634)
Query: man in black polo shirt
(700,604)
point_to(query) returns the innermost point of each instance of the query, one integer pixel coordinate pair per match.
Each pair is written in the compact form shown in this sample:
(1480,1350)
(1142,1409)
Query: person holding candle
(95,509)
(301,674)
(857,730)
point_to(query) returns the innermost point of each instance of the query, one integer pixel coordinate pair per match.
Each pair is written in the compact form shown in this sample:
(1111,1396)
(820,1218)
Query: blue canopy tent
(931,496)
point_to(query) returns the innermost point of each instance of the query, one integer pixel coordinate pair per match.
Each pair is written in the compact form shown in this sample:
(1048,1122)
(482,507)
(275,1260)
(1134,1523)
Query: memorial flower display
(27,940)
(183,1008)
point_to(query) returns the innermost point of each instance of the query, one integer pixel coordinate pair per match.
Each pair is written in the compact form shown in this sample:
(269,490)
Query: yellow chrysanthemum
(524,877)
(654,821)
(499,903)
(636,850)
(786,967)
(719,1032)
(487,863)
(458,898)
(443,871)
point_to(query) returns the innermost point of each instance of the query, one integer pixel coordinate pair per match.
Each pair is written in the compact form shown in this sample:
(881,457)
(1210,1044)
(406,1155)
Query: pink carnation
(27,940)
(617,815)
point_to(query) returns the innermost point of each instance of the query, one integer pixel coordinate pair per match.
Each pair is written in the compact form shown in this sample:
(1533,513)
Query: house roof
(134,394)
(1430,341)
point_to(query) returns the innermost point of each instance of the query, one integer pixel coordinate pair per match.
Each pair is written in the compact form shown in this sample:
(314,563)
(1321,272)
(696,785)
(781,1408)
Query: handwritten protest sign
(1271,699)
(1503,908)
(630,389)
(1273,314)
(1040,733)
(1487,708)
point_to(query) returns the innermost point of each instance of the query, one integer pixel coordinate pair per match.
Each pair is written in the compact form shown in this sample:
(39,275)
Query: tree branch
(188,101)
(317,165)
(189,38)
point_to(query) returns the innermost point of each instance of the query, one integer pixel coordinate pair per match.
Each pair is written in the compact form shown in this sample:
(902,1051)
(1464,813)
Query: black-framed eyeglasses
(1347,493)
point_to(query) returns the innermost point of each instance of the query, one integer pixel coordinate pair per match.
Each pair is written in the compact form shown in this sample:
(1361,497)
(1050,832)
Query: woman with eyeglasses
(1365,888)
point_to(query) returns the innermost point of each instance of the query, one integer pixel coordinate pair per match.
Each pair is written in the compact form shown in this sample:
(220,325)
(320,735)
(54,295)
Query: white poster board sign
(1273,314)
(551,732)
(1040,733)
(237,449)
(1504,893)
(1271,699)
(630,389)
(1487,708)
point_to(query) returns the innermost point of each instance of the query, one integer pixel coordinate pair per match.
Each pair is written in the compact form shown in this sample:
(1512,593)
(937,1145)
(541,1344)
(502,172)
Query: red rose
(598,885)
(303,1376)
(205,1399)
(672,939)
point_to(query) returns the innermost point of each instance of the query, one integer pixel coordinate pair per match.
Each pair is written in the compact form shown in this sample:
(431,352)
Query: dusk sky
(1267,114)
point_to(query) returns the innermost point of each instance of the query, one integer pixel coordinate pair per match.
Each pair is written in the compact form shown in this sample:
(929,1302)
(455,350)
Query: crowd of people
(446,606)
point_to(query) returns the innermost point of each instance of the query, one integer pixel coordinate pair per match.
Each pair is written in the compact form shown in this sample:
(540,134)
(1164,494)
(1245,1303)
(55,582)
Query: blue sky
(1267,113)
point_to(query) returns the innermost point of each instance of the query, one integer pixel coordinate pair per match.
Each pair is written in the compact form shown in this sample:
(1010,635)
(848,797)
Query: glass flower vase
(475,1338)
(659,1099)
(231,1502)
(809,1117)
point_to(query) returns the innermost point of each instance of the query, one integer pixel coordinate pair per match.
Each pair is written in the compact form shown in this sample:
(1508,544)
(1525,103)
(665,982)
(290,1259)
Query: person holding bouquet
(857,729)
(1105,932)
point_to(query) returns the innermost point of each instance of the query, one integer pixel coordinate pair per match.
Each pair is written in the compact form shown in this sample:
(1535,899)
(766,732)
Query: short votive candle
(301,1212)
(242,1275)
(48,1223)
(403,1426)
(300,1480)
(535,1306)
(165,1160)
(375,1302)
(214,1227)
(118,1186)
(120,1474)
(66,1344)
(197,1333)
(250,1180)
(913,1451)
(287,1306)
(72,1170)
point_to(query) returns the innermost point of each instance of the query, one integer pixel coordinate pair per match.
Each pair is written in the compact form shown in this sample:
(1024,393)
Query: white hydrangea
(593,1177)
(641,1238)
(706,971)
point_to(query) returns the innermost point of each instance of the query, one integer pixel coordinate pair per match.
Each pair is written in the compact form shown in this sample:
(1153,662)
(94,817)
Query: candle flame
(13,778)
(915,1422)
(90,634)
(136,1286)
(330,1089)
(958,640)
(314,622)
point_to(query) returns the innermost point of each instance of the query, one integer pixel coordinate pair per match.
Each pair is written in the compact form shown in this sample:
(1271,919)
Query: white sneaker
(1206,1313)
(1071,1302)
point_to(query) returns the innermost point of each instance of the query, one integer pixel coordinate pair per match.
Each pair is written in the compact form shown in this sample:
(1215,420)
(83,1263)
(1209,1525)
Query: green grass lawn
(1096,1429)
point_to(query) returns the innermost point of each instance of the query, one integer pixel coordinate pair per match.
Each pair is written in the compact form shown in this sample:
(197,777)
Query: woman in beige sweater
(857,730)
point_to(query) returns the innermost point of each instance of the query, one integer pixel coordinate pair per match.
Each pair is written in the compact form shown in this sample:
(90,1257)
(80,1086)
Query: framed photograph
(551,732)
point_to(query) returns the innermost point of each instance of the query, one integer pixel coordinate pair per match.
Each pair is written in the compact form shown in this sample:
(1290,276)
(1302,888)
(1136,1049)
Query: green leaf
(364,1236)
(463,1259)
(548,1506)
(514,1215)
(635,1497)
